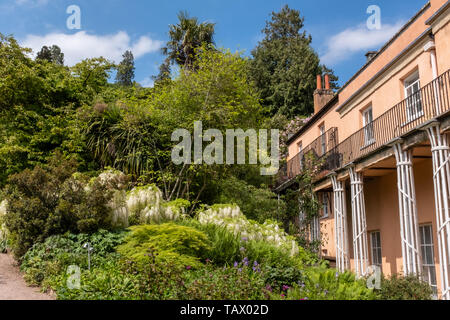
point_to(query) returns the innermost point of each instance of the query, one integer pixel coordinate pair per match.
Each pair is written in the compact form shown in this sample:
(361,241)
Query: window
(375,241)
(325,205)
(323,139)
(414,108)
(300,155)
(369,136)
(427,250)
(315,229)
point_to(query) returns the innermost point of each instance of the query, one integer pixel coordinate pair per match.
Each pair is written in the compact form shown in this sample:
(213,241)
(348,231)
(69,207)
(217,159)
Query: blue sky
(108,28)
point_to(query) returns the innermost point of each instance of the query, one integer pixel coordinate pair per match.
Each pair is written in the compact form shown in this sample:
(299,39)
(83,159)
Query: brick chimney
(322,96)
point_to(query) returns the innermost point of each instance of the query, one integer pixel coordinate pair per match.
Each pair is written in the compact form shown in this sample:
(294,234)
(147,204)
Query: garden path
(12,284)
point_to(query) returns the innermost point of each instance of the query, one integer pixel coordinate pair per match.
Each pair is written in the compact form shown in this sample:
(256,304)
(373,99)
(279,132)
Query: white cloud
(81,45)
(147,82)
(353,40)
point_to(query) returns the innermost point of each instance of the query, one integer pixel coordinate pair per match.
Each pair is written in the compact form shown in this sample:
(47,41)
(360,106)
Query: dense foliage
(86,161)
(409,287)
(284,65)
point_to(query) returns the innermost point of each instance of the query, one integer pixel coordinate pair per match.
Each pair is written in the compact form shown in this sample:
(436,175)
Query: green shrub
(259,204)
(404,288)
(105,282)
(53,200)
(224,246)
(276,276)
(46,261)
(212,283)
(179,245)
(327,284)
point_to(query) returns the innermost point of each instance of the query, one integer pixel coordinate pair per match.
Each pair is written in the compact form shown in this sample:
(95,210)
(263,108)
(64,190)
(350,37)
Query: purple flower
(240,269)
(235,264)
(326,291)
(269,288)
(255,263)
(285,288)
(188,267)
(245,263)
(337,274)
(245,239)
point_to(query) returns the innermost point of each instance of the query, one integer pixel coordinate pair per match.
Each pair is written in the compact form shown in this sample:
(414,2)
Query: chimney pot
(327,81)
(319,82)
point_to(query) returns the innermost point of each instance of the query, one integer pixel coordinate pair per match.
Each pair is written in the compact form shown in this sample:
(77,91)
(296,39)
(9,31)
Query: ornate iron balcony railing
(430,102)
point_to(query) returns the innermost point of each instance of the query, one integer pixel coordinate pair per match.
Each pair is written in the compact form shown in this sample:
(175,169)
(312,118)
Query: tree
(164,72)
(52,54)
(135,137)
(125,69)
(185,37)
(284,66)
(38,103)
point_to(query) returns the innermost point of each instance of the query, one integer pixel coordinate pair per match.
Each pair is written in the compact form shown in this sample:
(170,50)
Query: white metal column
(409,224)
(360,247)
(441,175)
(340,224)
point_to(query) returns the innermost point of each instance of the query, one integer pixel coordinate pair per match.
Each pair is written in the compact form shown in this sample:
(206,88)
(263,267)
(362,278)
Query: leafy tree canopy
(185,37)
(284,66)
(125,69)
(52,54)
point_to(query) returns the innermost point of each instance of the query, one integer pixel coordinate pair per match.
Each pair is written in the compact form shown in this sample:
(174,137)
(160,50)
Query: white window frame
(300,155)
(413,97)
(323,139)
(369,134)
(315,229)
(325,206)
(375,249)
(428,265)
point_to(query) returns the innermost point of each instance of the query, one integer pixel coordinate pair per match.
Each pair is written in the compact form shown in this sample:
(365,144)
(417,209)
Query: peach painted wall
(387,89)
(382,214)
(442,36)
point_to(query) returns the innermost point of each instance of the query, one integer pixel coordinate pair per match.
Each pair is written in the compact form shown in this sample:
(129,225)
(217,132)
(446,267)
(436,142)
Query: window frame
(300,153)
(426,266)
(326,203)
(323,139)
(376,249)
(368,128)
(413,100)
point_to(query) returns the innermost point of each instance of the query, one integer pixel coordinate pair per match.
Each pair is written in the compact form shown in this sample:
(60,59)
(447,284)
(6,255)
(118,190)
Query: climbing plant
(303,206)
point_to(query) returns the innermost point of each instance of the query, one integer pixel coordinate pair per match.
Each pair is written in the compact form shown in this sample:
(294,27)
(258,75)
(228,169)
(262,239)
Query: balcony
(430,102)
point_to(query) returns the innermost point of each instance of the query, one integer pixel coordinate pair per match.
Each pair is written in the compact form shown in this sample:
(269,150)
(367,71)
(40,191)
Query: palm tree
(185,37)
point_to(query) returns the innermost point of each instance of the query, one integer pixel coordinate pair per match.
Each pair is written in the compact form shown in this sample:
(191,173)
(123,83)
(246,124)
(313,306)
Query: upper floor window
(414,107)
(300,155)
(369,136)
(323,139)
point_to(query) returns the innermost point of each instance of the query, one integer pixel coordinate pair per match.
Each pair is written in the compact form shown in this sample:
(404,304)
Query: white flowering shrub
(145,205)
(113,179)
(3,231)
(232,218)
